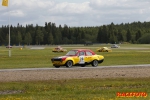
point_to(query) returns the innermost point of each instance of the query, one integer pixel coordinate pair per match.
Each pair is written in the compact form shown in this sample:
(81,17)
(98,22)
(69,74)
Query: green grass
(74,89)
(77,89)
(30,58)
(126,58)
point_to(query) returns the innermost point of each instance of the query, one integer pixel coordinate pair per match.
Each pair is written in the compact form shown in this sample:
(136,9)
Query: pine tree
(128,35)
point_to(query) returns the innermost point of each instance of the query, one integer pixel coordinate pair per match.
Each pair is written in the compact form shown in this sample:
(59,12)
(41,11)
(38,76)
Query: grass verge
(34,58)
(77,89)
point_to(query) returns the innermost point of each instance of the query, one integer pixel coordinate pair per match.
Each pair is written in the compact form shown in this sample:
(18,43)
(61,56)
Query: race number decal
(81,60)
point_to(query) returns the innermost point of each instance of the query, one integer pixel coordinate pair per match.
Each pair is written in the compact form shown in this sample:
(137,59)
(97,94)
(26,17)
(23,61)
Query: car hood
(61,57)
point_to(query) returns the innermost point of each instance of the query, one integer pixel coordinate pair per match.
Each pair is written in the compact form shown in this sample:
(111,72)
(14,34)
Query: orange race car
(104,49)
(59,49)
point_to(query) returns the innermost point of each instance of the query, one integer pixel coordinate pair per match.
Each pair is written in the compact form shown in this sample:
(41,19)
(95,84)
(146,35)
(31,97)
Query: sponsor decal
(81,60)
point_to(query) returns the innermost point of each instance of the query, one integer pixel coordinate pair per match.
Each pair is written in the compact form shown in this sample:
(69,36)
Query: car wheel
(69,64)
(57,66)
(95,63)
(83,65)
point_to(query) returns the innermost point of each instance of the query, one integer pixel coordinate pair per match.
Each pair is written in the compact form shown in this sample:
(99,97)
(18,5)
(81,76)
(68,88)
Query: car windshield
(72,53)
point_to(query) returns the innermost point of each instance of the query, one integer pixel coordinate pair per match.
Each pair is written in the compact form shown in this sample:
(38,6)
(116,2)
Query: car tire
(57,66)
(83,65)
(69,64)
(94,63)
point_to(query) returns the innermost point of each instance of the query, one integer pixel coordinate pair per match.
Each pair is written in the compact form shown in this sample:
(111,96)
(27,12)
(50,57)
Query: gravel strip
(75,73)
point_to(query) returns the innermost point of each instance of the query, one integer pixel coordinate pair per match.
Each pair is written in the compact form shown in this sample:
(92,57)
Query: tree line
(135,32)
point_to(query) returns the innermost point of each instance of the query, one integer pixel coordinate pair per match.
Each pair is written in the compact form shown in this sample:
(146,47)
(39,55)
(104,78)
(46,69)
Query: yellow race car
(104,49)
(78,57)
(59,49)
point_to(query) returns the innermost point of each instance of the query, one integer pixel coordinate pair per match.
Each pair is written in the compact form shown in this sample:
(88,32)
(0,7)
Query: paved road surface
(74,67)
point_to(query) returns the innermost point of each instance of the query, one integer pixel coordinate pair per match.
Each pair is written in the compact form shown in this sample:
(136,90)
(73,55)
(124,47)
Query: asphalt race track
(75,67)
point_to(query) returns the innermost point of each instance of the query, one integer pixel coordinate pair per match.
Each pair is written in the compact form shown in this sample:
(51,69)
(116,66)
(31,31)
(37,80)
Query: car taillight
(63,59)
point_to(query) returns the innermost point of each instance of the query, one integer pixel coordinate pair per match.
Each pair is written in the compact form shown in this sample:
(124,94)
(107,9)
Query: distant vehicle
(8,46)
(59,49)
(115,46)
(78,57)
(104,49)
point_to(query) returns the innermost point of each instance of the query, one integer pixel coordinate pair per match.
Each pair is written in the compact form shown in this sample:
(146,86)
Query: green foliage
(28,39)
(50,38)
(51,34)
(138,35)
(39,36)
(145,39)
(19,38)
(128,35)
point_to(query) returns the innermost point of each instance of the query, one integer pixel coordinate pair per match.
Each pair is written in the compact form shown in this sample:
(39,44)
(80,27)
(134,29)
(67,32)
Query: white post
(9,29)
(9,42)
(6,3)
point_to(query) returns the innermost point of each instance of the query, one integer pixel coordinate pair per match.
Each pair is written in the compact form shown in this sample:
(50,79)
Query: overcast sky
(74,12)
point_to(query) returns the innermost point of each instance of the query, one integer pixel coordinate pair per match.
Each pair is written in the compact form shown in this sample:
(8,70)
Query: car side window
(81,53)
(88,53)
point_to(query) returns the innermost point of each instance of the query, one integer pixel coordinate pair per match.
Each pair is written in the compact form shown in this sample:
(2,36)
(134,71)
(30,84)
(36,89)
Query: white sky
(74,12)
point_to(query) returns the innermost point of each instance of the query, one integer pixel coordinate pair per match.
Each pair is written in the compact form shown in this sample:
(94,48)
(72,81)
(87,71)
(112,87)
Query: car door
(88,56)
(75,56)
(76,59)
(81,56)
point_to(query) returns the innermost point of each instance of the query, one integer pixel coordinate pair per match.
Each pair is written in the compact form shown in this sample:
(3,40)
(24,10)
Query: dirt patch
(75,73)
(10,92)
